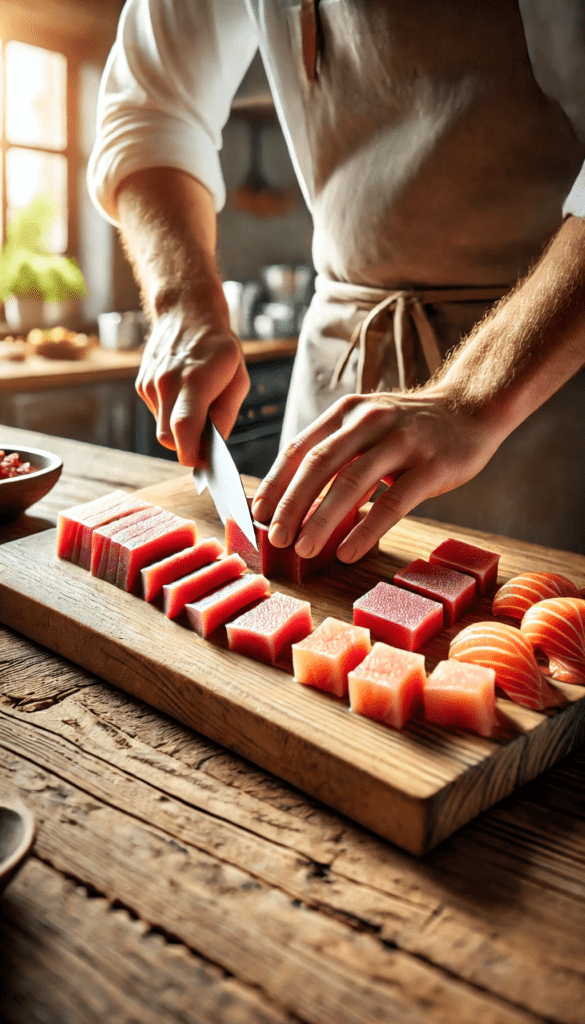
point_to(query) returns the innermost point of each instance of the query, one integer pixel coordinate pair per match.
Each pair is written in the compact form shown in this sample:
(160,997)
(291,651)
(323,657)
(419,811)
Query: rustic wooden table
(172,881)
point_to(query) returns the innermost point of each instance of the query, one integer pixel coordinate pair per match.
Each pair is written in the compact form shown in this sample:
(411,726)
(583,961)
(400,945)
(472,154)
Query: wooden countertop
(174,883)
(101,365)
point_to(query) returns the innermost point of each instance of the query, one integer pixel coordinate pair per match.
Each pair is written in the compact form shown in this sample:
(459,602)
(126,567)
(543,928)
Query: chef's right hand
(193,364)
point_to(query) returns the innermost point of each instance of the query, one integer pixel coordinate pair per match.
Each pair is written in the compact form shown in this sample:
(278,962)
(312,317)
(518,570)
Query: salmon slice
(557,627)
(516,596)
(388,685)
(324,658)
(505,649)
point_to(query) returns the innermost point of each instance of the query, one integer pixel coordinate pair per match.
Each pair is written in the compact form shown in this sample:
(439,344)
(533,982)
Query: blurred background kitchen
(70,343)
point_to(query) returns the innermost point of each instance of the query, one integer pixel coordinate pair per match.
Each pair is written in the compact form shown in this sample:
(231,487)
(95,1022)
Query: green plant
(27,268)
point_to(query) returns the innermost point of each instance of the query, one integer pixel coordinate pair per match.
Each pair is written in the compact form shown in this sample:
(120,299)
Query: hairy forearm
(168,228)
(530,345)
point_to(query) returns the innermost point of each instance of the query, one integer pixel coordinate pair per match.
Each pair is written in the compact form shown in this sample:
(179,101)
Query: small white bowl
(17,493)
(17,832)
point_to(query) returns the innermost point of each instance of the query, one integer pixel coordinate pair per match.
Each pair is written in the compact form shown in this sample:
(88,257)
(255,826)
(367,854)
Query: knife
(225,485)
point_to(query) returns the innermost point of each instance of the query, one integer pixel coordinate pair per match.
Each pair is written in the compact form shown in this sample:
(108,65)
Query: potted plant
(30,275)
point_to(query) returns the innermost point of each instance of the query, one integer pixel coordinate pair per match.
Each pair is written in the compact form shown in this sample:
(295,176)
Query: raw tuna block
(460,695)
(216,608)
(285,562)
(454,590)
(156,543)
(398,616)
(157,575)
(69,519)
(102,536)
(325,657)
(467,558)
(268,630)
(200,582)
(387,685)
(83,542)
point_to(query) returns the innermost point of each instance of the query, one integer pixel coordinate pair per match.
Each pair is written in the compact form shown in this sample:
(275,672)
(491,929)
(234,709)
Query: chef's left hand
(414,441)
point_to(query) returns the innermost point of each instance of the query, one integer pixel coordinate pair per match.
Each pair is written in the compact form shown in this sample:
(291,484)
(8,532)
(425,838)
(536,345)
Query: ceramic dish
(16,837)
(17,493)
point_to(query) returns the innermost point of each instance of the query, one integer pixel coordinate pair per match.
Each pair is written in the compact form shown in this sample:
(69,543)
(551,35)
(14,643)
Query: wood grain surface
(174,881)
(413,787)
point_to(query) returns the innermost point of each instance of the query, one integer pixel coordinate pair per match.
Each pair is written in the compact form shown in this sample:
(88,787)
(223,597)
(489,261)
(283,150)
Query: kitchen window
(38,151)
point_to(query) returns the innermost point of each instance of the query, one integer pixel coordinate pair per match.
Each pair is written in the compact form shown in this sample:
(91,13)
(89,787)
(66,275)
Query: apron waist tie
(409,318)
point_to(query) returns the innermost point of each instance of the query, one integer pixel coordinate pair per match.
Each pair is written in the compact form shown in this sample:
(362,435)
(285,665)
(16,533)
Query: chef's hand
(192,365)
(410,440)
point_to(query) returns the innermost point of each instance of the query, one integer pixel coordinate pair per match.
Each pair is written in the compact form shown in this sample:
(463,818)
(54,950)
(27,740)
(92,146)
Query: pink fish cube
(455,590)
(267,631)
(69,520)
(387,685)
(105,547)
(156,543)
(325,657)
(216,608)
(459,694)
(196,584)
(398,617)
(477,562)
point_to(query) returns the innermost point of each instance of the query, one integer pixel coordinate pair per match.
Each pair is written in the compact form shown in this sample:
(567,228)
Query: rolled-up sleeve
(167,90)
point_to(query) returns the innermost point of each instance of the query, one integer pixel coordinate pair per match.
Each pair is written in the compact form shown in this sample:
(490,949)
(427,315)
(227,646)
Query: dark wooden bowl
(17,493)
(16,837)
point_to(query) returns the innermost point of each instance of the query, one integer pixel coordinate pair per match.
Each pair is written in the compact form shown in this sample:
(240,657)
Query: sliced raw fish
(217,608)
(84,539)
(387,685)
(324,658)
(455,590)
(516,596)
(196,584)
(505,649)
(398,617)
(69,520)
(156,543)
(267,631)
(557,627)
(468,558)
(460,694)
(159,574)
(103,536)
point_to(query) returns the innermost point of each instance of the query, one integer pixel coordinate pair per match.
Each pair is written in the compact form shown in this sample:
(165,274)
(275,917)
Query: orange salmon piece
(557,627)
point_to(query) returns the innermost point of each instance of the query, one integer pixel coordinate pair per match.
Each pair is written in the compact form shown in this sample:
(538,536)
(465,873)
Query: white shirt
(176,65)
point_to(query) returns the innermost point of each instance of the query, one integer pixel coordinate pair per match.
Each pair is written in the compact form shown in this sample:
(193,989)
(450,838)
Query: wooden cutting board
(414,787)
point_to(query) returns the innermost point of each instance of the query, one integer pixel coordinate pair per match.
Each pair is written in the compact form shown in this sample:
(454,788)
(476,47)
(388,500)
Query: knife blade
(225,485)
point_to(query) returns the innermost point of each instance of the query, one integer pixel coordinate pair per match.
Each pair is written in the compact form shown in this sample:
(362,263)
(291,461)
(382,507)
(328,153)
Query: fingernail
(278,536)
(260,509)
(304,547)
(347,554)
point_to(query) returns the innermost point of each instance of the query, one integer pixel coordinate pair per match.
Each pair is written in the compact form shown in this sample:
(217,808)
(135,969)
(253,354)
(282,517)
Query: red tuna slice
(455,590)
(69,519)
(398,617)
(157,575)
(325,657)
(462,695)
(118,513)
(504,648)
(387,685)
(284,562)
(216,608)
(516,596)
(102,536)
(110,558)
(200,582)
(157,543)
(267,631)
(557,627)
(477,562)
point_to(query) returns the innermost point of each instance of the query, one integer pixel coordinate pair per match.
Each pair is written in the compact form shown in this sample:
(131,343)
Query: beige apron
(439,170)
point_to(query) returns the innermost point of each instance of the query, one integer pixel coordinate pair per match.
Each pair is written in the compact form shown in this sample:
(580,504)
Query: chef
(439,146)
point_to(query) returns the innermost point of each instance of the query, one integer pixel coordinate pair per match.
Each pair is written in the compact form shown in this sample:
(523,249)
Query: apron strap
(311,37)
(410,319)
